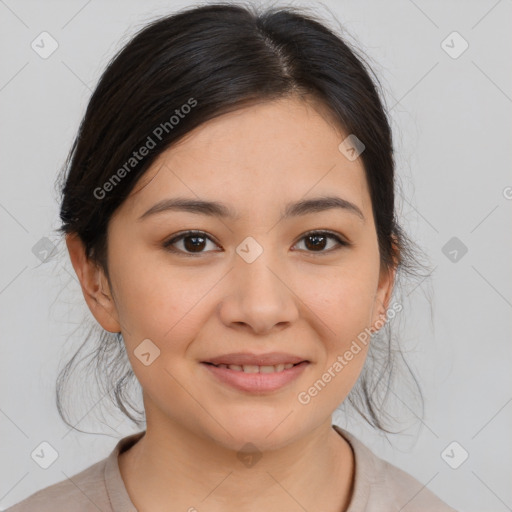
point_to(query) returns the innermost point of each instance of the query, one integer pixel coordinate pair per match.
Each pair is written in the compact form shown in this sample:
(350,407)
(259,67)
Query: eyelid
(176,237)
(340,239)
(334,234)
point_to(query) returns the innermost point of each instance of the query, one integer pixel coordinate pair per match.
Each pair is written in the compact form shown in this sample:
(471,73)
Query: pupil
(193,243)
(192,247)
(316,244)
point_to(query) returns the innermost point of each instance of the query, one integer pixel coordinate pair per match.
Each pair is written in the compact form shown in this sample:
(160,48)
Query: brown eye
(317,241)
(190,242)
(194,243)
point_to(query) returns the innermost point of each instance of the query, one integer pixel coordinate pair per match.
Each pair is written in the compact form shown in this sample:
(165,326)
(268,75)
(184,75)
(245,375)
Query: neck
(172,465)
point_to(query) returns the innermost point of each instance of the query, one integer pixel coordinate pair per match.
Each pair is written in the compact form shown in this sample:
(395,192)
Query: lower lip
(256,382)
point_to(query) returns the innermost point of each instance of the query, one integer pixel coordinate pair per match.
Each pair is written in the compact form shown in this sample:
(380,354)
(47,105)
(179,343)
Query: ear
(94,285)
(384,291)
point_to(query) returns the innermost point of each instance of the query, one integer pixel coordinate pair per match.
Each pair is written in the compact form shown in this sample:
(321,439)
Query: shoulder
(98,487)
(379,485)
(82,492)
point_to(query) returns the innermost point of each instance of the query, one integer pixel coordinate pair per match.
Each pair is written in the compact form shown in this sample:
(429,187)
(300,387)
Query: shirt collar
(120,500)
(118,495)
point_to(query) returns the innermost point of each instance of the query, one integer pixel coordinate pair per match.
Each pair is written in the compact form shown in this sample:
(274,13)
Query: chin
(266,432)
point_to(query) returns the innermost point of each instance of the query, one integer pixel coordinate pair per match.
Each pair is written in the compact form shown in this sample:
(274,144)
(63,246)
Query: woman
(228,208)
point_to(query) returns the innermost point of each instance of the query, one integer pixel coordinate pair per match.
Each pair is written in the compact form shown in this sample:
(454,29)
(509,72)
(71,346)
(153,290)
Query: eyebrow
(217,209)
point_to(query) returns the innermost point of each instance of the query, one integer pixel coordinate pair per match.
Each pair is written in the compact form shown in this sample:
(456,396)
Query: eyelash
(329,234)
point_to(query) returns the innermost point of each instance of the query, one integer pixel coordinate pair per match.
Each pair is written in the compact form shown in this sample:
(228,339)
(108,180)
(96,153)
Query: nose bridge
(257,278)
(260,299)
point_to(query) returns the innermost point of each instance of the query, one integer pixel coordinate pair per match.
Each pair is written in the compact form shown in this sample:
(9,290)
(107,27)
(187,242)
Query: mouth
(251,368)
(253,373)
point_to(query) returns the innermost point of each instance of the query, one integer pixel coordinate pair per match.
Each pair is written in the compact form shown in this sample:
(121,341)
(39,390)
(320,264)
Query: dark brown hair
(215,59)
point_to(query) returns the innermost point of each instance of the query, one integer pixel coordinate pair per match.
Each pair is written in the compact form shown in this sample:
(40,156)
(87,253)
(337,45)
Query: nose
(259,298)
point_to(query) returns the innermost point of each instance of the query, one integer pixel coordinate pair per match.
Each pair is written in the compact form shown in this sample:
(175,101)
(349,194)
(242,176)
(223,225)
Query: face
(259,283)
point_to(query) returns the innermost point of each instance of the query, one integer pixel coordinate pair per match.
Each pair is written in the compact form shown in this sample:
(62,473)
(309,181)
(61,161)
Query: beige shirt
(378,487)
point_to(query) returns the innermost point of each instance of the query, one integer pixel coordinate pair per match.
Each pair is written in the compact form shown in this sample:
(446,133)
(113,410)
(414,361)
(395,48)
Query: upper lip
(246,358)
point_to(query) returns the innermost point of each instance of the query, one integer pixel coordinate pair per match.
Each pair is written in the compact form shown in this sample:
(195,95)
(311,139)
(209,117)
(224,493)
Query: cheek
(342,298)
(161,302)
(342,301)
(147,290)
(343,308)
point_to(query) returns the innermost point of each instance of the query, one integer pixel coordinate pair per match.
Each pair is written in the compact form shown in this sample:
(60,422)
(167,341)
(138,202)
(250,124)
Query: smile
(251,368)
(254,378)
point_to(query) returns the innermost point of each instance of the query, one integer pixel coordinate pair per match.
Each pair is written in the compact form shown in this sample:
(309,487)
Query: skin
(292,298)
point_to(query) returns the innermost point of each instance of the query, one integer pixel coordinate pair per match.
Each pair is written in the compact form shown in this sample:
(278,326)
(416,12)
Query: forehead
(257,157)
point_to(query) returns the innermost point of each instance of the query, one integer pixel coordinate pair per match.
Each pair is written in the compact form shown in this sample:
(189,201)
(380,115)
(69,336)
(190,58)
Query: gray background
(451,120)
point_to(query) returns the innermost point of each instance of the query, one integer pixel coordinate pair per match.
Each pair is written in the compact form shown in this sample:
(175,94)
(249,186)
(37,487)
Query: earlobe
(383,298)
(94,285)
(388,275)
(388,286)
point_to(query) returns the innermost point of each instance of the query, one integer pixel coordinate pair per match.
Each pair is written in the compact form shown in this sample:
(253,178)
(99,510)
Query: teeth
(250,368)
